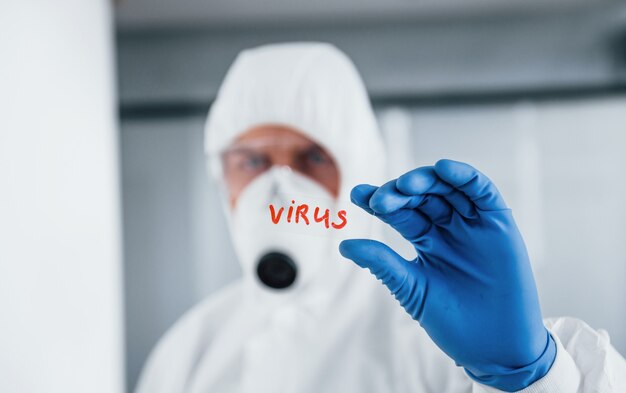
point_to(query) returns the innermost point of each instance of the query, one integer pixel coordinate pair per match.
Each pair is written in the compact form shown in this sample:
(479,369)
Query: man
(291,127)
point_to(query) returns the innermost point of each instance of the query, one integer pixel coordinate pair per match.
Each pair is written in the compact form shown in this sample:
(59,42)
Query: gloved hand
(471,286)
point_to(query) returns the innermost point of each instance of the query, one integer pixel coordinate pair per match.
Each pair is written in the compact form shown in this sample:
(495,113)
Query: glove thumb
(382,261)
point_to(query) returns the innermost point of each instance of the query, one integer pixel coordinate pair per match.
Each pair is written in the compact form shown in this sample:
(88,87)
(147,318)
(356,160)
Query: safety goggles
(244,160)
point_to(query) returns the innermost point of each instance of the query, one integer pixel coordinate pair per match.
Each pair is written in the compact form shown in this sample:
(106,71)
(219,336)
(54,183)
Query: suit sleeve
(585,362)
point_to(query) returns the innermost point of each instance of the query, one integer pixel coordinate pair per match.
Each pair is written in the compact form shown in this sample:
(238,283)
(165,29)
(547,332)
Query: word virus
(298,213)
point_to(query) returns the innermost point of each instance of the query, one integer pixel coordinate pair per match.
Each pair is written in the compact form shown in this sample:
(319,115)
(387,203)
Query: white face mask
(283,255)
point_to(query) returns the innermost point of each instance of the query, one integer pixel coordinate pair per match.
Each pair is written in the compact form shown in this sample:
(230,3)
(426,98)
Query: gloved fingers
(424,180)
(382,261)
(411,224)
(360,196)
(387,199)
(436,209)
(475,185)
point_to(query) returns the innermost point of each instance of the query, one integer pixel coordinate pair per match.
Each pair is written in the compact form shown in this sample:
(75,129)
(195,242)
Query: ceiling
(156,14)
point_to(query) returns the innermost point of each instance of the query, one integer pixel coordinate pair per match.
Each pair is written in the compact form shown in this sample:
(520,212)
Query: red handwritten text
(300,213)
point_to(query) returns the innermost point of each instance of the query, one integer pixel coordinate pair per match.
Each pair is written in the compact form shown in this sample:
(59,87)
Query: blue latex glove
(471,286)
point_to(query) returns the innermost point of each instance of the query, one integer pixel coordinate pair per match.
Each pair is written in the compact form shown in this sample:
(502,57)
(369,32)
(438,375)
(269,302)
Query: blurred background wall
(60,220)
(533,93)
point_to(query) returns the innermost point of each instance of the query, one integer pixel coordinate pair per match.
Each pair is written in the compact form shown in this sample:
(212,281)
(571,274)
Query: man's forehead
(269,129)
(272,135)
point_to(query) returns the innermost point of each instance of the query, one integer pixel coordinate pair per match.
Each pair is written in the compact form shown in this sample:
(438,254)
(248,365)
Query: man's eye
(253,162)
(316,156)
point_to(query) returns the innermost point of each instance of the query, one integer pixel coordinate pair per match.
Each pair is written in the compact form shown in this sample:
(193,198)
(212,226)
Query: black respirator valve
(276,270)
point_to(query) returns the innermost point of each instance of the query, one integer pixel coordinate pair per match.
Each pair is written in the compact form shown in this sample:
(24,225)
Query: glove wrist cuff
(514,379)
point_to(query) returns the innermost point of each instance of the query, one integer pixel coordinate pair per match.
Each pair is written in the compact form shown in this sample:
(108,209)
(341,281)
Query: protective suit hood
(315,89)
(312,87)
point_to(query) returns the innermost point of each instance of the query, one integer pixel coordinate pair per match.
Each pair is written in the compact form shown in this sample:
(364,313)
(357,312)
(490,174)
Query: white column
(60,251)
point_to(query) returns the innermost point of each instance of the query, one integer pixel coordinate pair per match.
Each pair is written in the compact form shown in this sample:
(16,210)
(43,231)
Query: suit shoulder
(186,340)
(207,315)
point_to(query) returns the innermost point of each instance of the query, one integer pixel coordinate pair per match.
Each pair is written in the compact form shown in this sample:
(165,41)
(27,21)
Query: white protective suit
(338,330)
